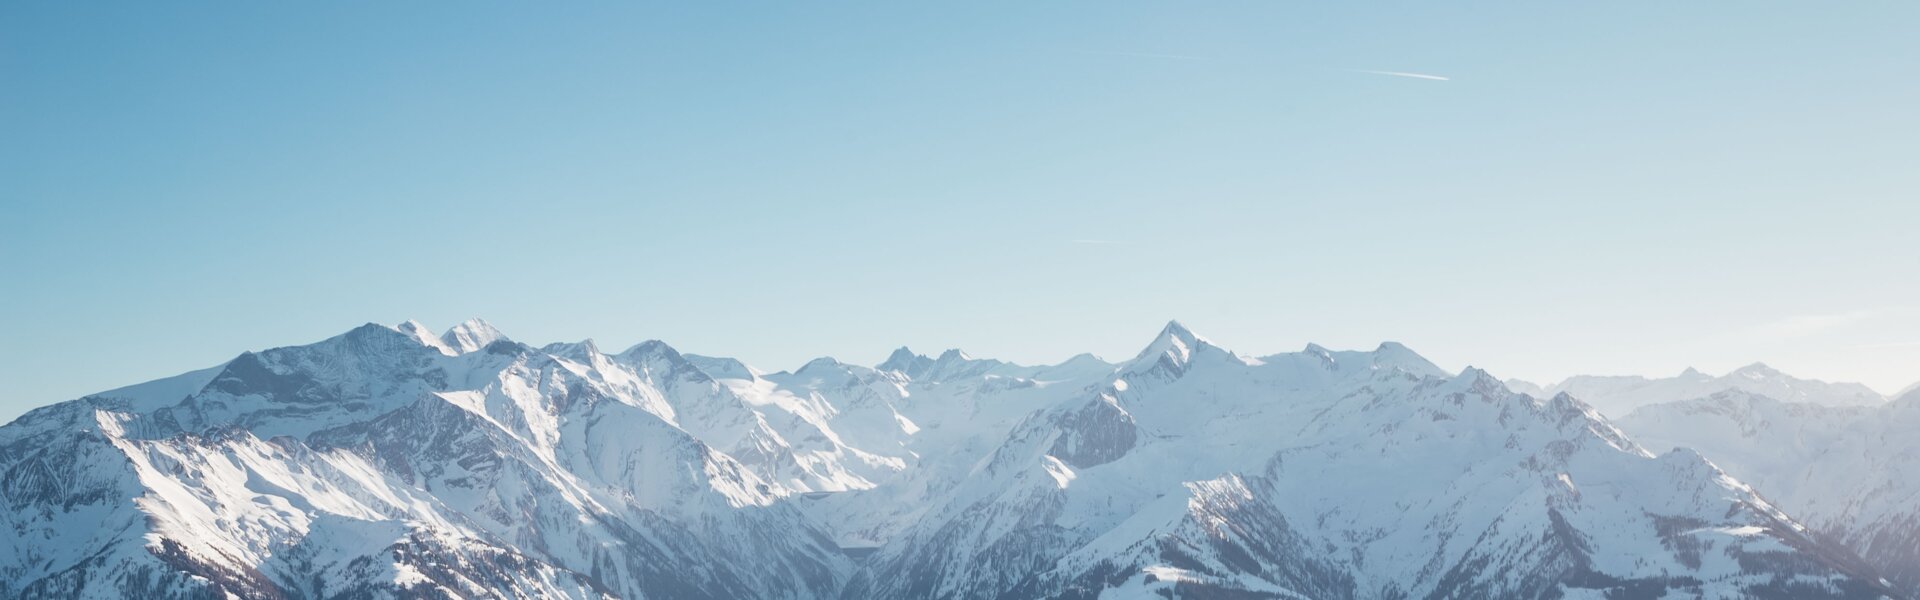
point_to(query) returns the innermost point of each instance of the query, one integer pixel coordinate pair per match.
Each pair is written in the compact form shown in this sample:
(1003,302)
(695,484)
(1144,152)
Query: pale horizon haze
(1536,190)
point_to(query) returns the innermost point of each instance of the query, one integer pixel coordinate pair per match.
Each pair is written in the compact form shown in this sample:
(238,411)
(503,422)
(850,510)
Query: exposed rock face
(389,462)
(1851,473)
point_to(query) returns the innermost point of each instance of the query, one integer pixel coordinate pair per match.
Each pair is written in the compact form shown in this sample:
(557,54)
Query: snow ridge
(390,462)
(1616,396)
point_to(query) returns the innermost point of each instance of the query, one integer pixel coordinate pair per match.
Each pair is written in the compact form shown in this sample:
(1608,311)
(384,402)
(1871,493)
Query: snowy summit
(392,462)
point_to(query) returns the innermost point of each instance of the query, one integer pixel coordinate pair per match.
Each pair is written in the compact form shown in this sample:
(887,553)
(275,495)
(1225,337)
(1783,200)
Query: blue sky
(1617,188)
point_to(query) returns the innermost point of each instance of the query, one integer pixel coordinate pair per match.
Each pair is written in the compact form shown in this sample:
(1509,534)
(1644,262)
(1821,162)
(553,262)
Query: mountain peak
(824,362)
(471,335)
(953,354)
(374,334)
(1172,349)
(1911,390)
(720,367)
(421,334)
(1174,337)
(1175,329)
(652,348)
(411,327)
(1757,370)
(1398,355)
(371,328)
(1479,380)
(906,362)
(655,354)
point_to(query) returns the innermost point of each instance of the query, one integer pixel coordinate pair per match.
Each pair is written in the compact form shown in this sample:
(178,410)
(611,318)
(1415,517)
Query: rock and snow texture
(1196,472)
(390,462)
(375,464)
(1851,473)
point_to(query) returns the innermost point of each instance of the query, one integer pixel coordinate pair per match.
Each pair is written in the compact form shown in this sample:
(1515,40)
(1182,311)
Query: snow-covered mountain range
(1616,395)
(1851,473)
(1840,457)
(391,462)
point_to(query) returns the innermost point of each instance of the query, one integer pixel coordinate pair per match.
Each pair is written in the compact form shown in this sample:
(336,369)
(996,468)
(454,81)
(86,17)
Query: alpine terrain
(1850,473)
(390,462)
(1840,457)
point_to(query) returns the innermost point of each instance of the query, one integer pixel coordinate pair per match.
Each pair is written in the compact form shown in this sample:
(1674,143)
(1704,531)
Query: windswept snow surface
(390,462)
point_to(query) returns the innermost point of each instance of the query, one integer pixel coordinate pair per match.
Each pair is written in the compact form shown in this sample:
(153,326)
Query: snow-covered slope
(1852,473)
(1906,392)
(376,462)
(392,462)
(1198,472)
(942,424)
(1615,395)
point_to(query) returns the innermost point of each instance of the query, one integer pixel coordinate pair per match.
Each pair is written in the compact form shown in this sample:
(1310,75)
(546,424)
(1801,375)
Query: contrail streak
(1403,74)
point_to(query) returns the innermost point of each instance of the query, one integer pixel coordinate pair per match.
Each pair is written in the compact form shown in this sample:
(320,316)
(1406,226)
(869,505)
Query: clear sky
(1592,188)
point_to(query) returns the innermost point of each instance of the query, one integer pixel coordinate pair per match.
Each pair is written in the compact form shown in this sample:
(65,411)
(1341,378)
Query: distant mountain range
(1851,473)
(390,462)
(1615,396)
(1838,456)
